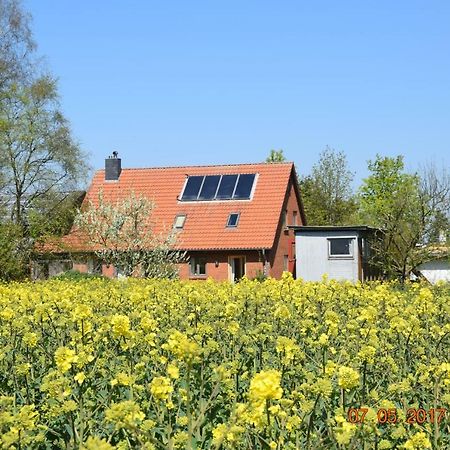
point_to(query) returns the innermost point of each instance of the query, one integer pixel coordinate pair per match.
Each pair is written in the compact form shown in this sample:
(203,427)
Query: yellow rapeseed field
(141,364)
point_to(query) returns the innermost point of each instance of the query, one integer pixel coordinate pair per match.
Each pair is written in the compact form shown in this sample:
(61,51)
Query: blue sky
(208,82)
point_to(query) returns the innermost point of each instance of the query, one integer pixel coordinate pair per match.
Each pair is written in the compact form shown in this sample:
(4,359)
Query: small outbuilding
(437,267)
(340,252)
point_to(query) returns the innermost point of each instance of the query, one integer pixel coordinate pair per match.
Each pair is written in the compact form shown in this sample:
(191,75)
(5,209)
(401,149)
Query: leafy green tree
(12,252)
(16,44)
(39,160)
(276,156)
(37,152)
(327,193)
(54,214)
(121,234)
(404,206)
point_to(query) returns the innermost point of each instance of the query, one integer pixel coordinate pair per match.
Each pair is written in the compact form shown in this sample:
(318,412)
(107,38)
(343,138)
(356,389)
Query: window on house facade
(94,266)
(294,218)
(218,187)
(285,263)
(233,220)
(284,218)
(179,221)
(198,266)
(340,247)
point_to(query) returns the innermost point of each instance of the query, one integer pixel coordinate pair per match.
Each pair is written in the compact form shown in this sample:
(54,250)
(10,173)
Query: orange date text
(390,415)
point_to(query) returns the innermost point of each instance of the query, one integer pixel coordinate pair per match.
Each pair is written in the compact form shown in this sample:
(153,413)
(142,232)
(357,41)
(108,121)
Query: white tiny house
(340,252)
(436,270)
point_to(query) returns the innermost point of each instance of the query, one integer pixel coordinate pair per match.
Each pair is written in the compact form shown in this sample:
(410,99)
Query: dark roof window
(233,220)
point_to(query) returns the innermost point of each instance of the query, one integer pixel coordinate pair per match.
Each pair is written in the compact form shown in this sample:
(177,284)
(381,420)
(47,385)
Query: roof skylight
(233,220)
(179,221)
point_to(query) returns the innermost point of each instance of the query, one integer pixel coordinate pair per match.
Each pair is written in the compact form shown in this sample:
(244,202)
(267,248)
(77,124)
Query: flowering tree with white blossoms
(122,234)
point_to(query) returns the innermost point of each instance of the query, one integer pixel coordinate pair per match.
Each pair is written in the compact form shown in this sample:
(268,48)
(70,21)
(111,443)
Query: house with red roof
(232,220)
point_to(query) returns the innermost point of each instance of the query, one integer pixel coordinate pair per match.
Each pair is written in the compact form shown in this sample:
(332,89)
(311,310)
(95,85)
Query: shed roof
(321,228)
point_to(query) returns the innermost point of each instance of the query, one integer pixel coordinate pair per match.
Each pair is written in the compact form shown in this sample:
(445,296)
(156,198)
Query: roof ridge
(285,163)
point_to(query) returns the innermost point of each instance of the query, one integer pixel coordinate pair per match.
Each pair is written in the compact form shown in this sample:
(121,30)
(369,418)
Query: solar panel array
(218,187)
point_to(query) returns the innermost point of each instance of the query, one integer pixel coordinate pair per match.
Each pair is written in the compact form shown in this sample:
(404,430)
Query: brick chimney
(113,167)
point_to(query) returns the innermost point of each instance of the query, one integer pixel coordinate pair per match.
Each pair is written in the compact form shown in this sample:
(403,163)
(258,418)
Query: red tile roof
(205,225)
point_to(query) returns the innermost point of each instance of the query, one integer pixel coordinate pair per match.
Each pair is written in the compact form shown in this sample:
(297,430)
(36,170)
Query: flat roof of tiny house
(319,228)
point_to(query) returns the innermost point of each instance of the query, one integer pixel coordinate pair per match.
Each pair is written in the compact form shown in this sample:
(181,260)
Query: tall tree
(404,206)
(276,156)
(39,159)
(54,214)
(327,193)
(38,155)
(16,44)
(435,203)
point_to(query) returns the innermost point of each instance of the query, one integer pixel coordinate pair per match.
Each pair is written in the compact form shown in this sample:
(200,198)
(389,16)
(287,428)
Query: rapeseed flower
(348,378)
(417,442)
(173,371)
(120,325)
(30,339)
(182,347)
(64,358)
(126,414)
(80,377)
(95,443)
(265,385)
(161,388)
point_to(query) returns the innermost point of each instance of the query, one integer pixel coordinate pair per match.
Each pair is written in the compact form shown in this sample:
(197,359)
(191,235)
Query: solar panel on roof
(244,186)
(218,187)
(226,187)
(209,187)
(193,185)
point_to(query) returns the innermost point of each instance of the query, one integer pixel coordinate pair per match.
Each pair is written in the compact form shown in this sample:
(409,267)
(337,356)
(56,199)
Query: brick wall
(80,267)
(218,264)
(285,240)
(108,271)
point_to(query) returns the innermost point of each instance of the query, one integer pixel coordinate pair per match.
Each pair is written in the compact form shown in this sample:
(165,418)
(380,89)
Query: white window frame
(193,264)
(350,255)
(179,218)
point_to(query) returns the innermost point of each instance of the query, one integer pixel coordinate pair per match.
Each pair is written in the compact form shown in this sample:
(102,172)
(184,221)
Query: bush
(260,276)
